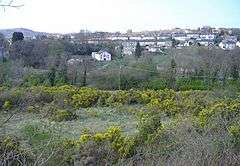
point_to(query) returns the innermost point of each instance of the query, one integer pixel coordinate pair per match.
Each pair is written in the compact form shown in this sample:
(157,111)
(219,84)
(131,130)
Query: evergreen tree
(17,36)
(234,72)
(52,76)
(138,50)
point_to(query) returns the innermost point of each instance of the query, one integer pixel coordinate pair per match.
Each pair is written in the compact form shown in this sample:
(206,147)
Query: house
(227,45)
(164,36)
(74,61)
(238,44)
(78,59)
(164,43)
(180,37)
(147,43)
(135,38)
(205,42)
(102,56)
(193,35)
(207,36)
(231,38)
(148,38)
(181,44)
(129,47)
(123,38)
(154,49)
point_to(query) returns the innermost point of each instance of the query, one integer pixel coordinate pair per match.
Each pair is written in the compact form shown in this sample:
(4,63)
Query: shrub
(121,145)
(234,131)
(227,109)
(63,115)
(118,98)
(12,153)
(7,105)
(85,97)
(148,124)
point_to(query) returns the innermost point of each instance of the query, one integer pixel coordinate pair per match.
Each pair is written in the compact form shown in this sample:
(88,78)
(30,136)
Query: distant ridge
(26,32)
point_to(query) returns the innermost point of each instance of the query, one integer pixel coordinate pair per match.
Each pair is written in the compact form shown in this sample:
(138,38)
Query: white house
(164,43)
(135,38)
(207,36)
(129,47)
(148,38)
(164,36)
(147,43)
(193,35)
(180,37)
(238,44)
(227,45)
(118,38)
(102,56)
(205,43)
(154,49)
(231,38)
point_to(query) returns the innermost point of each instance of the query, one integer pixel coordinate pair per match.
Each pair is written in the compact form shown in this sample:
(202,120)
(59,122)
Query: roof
(228,42)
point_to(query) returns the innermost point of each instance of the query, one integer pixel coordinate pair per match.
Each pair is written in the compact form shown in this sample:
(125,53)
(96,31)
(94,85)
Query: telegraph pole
(120,71)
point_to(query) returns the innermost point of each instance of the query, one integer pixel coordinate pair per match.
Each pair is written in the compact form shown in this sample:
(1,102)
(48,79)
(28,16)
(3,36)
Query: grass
(94,119)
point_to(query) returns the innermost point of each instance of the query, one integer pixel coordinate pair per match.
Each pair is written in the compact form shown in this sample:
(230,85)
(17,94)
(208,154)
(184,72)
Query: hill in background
(27,32)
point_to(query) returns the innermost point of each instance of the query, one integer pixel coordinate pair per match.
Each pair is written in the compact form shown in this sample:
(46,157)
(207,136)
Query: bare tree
(10,3)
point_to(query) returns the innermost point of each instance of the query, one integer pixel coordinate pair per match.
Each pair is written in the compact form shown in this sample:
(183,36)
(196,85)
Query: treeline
(45,62)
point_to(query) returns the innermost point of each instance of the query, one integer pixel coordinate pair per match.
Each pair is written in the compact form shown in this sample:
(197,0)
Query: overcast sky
(119,15)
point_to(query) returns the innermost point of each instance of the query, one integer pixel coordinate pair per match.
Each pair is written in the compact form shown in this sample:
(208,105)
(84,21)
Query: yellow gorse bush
(119,143)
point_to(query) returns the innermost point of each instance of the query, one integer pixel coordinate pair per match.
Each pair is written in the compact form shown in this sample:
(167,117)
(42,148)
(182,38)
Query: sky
(66,16)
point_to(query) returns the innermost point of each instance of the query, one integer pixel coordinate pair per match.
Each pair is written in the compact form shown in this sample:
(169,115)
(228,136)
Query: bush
(7,105)
(12,153)
(227,109)
(85,97)
(63,115)
(234,131)
(149,123)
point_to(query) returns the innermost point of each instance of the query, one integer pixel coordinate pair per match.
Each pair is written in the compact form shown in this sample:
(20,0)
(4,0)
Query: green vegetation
(180,107)
(89,126)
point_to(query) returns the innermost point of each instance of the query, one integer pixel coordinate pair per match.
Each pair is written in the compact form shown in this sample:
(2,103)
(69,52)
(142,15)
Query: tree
(138,50)
(17,36)
(10,3)
(3,46)
(172,74)
(33,52)
(175,42)
(52,76)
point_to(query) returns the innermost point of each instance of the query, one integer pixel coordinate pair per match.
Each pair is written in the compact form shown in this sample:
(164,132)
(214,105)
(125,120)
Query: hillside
(27,32)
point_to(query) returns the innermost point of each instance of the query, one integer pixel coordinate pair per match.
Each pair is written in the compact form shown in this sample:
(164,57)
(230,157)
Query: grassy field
(84,126)
(93,119)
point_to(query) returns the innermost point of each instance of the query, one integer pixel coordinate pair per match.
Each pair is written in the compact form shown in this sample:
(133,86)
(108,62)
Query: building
(147,43)
(118,38)
(164,43)
(135,38)
(164,36)
(207,36)
(129,47)
(227,45)
(180,37)
(231,38)
(78,59)
(102,56)
(238,44)
(148,38)
(193,35)
(154,49)
(205,42)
